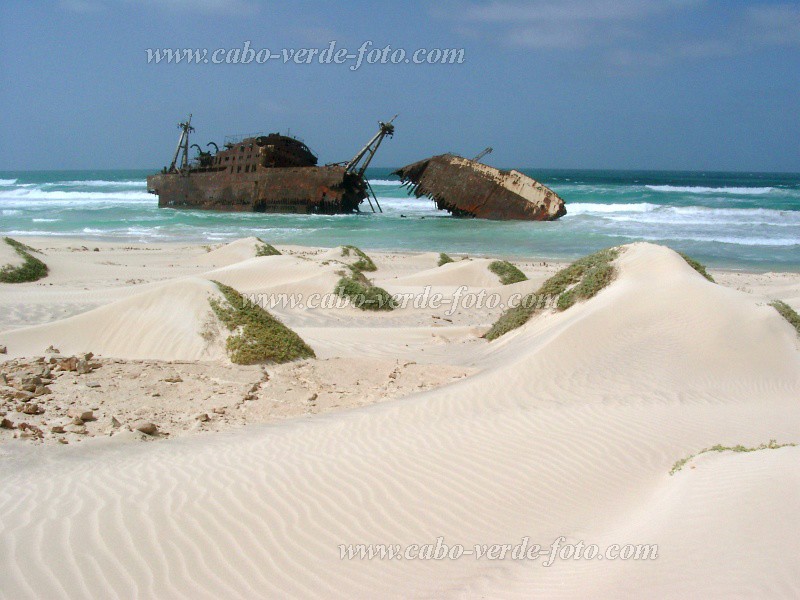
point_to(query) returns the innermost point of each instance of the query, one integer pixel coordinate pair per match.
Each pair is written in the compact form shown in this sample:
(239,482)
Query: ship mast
(370,149)
(483,153)
(183,144)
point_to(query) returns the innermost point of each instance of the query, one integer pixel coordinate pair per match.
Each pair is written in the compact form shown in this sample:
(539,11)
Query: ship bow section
(468,188)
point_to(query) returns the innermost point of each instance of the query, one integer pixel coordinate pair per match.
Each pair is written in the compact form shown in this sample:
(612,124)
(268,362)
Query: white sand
(567,427)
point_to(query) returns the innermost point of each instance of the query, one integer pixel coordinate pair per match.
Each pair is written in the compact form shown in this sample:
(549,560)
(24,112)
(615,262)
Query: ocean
(733,220)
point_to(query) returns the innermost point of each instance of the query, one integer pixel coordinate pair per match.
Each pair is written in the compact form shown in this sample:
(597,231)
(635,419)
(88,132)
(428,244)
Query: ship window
(239,169)
(226,158)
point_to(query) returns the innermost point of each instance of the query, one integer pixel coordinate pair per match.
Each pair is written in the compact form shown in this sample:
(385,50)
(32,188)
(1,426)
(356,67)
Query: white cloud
(224,7)
(630,33)
(777,24)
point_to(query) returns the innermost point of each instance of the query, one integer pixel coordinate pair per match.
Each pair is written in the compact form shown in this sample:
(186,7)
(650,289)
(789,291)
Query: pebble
(80,413)
(145,427)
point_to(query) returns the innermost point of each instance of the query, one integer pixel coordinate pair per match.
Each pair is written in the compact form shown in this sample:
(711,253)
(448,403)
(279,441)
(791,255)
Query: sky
(575,84)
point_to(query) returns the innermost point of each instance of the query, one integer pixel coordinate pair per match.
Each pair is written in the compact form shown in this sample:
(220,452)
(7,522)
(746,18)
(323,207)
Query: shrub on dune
(507,272)
(788,313)
(31,269)
(364,262)
(362,293)
(257,336)
(444,259)
(265,249)
(699,267)
(581,280)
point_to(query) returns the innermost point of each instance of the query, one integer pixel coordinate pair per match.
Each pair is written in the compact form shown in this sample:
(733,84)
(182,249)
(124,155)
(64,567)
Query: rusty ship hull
(301,190)
(467,188)
(263,173)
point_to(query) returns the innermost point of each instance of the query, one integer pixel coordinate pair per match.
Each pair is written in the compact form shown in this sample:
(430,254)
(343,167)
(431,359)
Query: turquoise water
(744,220)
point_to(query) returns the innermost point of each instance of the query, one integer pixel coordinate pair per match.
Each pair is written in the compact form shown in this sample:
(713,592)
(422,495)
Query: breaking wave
(393,182)
(8,181)
(742,191)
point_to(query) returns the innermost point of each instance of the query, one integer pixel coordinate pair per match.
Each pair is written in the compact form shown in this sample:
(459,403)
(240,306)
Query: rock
(51,350)
(3,350)
(28,387)
(22,395)
(88,356)
(218,410)
(76,421)
(31,380)
(79,429)
(62,440)
(30,408)
(3,379)
(6,424)
(175,379)
(82,367)
(202,417)
(68,364)
(115,423)
(77,412)
(92,384)
(145,427)
(57,429)
(41,390)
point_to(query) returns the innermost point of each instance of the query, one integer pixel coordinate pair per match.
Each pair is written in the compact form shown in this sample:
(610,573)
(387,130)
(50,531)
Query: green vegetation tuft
(265,249)
(258,336)
(788,313)
(444,259)
(772,445)
(364,262)
(699,267)
(507,272)
(581,280)
(363,294)
(32,269)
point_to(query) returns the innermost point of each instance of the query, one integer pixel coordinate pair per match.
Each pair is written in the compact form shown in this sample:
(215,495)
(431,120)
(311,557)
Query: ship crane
(487,150)
(183,144)
(367,153)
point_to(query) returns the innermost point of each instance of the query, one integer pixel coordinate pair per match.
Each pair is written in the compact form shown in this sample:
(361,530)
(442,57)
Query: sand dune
(279,274)
(570,430)
(231,253)
(8,255)
(472,273)
(166,322)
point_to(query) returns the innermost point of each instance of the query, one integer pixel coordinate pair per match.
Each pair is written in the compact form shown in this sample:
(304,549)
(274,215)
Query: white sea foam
(8,181)
(722,239)
(392,182)
(97,183)
(20,198)
(580,208)
(742,191)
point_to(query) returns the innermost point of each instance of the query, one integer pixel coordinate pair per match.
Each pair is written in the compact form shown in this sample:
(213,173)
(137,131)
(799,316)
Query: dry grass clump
(771,445)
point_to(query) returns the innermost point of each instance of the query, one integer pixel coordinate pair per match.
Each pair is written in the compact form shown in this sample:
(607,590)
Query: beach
(407,428)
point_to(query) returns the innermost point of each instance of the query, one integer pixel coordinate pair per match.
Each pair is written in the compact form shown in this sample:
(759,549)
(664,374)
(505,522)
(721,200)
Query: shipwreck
(264,173)
(468,188)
